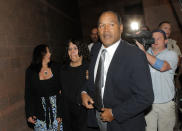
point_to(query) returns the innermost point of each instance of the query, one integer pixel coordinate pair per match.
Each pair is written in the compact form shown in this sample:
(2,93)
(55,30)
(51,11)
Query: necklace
(45,72)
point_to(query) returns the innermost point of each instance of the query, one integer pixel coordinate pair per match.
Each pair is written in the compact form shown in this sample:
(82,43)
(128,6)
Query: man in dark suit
(126,87)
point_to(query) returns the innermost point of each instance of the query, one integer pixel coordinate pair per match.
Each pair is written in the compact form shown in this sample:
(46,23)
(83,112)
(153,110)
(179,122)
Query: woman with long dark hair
(74,74)
(42,91)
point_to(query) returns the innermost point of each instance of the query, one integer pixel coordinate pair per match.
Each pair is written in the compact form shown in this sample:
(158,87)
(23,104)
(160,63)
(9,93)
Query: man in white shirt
(119,86)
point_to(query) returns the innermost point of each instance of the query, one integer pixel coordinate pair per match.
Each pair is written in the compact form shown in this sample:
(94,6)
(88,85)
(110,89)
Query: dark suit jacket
(128,88)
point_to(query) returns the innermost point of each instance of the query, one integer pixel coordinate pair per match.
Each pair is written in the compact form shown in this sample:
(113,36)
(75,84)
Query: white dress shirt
(90,46)
(108,57)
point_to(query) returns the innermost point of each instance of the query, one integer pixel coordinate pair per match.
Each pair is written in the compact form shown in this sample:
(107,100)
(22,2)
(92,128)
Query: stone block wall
(23,25)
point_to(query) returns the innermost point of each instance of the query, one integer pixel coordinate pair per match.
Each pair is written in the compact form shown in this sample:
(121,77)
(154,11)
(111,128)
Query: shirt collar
(112,48)
(151,51)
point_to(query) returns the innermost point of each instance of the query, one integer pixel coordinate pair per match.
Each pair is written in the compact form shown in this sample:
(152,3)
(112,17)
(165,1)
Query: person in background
(42,91)
(94,38)
(144,27)
(163,63)
(171,44)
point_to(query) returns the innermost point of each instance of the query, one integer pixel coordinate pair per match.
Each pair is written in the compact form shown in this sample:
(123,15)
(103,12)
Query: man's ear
(121,28)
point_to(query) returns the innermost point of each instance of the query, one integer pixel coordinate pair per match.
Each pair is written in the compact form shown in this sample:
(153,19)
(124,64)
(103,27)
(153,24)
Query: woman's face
(47,56)
(73,53)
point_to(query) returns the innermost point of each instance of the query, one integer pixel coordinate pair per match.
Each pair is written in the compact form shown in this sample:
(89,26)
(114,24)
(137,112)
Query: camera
(144,37)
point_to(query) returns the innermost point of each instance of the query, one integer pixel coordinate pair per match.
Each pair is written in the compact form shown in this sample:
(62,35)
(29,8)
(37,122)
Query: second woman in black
(73,76)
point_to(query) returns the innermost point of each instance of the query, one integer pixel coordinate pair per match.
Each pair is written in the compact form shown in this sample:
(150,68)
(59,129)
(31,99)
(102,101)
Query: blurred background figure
(171,44)
(144,27)
(94,37)
(42,91)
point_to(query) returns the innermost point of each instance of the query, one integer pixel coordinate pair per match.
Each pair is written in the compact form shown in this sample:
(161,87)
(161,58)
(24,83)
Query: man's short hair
(115,13)
(164,22)
(161,31)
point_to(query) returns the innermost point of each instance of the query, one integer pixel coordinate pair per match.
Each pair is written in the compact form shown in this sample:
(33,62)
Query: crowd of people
(106,85)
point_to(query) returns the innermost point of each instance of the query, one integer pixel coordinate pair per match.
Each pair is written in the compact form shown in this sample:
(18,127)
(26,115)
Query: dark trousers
(75,118)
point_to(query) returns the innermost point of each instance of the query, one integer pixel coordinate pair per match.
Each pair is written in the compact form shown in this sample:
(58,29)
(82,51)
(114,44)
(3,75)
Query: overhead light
(134,26)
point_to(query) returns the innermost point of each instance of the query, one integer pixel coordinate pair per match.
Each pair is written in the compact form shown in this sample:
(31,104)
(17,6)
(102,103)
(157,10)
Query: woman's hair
(82,50)
(38,55)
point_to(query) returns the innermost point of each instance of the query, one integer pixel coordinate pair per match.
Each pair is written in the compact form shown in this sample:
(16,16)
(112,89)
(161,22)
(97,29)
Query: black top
(72,80)
(36,88)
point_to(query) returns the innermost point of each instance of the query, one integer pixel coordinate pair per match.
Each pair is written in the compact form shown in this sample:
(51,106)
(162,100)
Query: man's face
(159,41)
(166,28)
(109,29)
(94,35)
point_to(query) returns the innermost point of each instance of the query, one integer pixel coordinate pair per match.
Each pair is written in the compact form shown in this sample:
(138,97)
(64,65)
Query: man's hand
(87,100)
(32,119)
(59,120)
(140,46)
(107,115)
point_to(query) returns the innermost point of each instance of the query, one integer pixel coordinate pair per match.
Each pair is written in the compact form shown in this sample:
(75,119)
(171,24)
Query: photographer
(163,63)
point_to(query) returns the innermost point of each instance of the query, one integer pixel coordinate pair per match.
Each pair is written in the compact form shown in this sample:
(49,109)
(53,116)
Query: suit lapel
(116,58)
(113,65)
(94,59)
